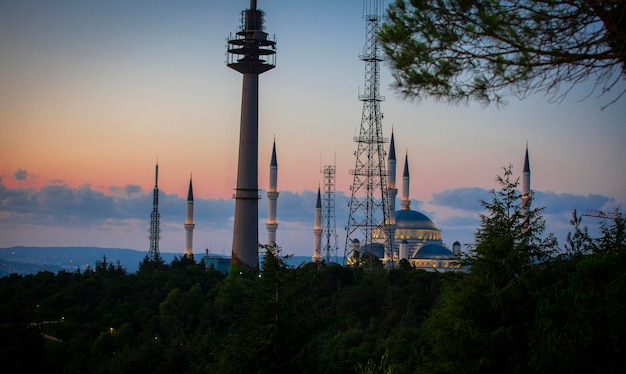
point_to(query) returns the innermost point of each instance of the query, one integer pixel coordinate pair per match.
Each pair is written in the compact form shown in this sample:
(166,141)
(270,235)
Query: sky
(94,93)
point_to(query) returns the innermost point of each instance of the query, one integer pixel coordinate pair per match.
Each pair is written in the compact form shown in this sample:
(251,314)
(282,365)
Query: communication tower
(250,52)
(329,248)
(155,217)
(368,205)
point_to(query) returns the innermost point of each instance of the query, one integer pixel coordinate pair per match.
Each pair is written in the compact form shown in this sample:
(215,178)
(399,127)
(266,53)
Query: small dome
(377,249)
(434,251)
(411,219)
(456,243)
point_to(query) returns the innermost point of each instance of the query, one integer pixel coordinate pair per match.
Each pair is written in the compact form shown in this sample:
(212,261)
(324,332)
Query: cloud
(472,221)
(300,206)
(20,174)
(557,203)
(557,210)
(292,206)
(62,205)
(131,202)
(126,191)
(123,213)
(466,198)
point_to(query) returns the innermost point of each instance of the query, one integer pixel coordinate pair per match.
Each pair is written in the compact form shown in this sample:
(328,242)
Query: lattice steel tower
(368,205)
(155,217)
(329,247)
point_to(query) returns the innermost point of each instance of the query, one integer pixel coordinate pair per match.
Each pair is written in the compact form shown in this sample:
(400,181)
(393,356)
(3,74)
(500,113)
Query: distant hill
(28,260)
(31,260)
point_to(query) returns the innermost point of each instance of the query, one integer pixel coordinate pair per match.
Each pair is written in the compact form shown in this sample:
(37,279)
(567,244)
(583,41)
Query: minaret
(317,229)
(272,196)
(526,185)
(250,53)
(391,180)
(403,252)
(155,217)
(406,202)
(456,248)
(189,225)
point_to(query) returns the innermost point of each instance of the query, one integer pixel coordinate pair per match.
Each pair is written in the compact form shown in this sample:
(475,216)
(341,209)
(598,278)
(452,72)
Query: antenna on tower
(368,221)
(155,217)
(329,233)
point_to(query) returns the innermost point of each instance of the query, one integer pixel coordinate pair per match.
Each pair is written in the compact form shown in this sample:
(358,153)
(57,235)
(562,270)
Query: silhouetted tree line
(522,306)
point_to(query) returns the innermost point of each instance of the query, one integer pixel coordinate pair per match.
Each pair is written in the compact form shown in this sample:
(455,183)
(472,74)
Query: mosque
(415,238)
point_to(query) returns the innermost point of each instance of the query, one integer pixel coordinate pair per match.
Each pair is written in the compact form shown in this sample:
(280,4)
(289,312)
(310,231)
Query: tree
(579,320)
(613,238)
(479,324)
(462,50)
(579,242)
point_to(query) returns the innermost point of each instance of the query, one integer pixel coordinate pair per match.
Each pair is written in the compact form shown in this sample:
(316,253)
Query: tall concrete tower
(317,229)
(272,196)
(155,217)
(369,210)
(250,52)
(391,181)
(406,201)
(526,185)
(189,225)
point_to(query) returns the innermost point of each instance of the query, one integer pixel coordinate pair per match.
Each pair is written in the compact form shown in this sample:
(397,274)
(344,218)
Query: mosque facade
(416,238)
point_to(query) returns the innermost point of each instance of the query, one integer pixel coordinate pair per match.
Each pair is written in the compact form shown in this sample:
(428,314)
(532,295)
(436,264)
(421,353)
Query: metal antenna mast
(328,214)
(155,217)
(368,205)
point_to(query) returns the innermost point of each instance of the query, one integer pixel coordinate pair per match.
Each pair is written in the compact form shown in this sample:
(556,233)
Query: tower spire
(250,52)
(189,224)
(392,150)
(391,181)
(317,228)
(526,185)
(155,217)
(406,201)
(272,197)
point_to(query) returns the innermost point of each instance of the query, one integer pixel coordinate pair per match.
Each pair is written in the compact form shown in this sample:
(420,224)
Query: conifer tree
(478,325)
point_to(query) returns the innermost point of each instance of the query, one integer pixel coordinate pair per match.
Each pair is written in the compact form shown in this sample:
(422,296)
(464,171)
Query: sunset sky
(92,93)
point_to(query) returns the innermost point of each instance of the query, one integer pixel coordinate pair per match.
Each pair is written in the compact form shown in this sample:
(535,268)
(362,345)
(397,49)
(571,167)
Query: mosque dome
(413,225)
(433,251)
(377,249)
(411,219)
